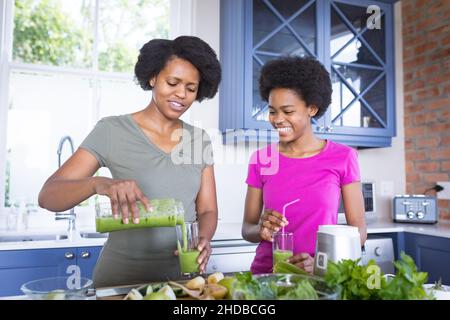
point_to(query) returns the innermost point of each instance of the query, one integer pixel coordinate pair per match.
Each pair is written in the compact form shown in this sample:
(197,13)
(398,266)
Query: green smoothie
(281,255)
(187,257)
(164,213)
(188,261)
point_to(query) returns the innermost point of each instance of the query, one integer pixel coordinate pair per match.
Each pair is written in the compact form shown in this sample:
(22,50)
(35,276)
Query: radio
(415,208)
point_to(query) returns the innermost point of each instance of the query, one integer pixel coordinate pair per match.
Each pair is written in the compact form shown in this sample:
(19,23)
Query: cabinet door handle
(85,254)
(69,255)
(320,128)
(329,129)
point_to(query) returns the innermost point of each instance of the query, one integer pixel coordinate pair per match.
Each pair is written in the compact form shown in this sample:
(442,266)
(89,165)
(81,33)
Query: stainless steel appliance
(415,208)
(381,250)
(334,243)
(368,191)
(231,255)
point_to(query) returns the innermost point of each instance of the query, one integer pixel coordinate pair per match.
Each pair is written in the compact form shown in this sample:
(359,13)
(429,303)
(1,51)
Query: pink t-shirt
(316,181)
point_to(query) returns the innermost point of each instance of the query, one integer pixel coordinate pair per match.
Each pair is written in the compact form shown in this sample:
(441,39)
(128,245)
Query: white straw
(284,209)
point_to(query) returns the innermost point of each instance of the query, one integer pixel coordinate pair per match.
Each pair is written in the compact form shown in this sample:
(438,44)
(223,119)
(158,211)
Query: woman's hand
(271,221)
(303,261)
(204,246)
(123,194)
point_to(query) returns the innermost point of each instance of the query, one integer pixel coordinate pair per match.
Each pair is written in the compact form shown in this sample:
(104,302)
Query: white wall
(388,164)
(378,165)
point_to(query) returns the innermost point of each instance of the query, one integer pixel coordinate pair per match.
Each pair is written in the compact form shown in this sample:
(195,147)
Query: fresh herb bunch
(303,290)
(407,283)
(366,283)
(356,281)
(248,287)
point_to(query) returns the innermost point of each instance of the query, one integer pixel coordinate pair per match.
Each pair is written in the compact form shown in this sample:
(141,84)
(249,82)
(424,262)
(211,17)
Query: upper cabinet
(353,39)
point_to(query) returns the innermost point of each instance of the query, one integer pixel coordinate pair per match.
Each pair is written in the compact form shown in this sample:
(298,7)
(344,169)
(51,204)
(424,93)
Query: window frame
(177,27)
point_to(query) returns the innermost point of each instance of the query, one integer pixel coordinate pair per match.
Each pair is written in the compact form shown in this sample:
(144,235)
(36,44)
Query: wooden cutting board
(119,292)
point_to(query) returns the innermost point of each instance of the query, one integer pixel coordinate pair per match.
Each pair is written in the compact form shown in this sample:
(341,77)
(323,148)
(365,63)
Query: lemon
(156,296)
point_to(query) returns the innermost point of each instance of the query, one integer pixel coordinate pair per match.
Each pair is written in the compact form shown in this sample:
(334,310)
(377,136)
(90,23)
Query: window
(71,63)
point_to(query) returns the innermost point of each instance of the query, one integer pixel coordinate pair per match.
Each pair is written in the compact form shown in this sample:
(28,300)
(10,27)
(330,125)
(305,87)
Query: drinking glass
(187,242)
(282,246)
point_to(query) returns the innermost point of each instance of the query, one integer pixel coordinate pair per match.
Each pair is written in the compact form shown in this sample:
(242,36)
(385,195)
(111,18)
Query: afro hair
(155,54)
(304,75)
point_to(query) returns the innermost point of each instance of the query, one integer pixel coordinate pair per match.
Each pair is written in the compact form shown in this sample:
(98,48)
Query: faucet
(71,216)
(60,146)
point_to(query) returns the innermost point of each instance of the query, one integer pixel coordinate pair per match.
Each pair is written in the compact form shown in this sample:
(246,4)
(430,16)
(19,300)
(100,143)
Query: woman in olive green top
(151,154)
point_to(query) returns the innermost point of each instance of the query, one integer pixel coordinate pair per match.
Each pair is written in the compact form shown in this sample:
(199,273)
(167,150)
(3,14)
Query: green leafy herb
(356,281)
(289,268)
(407,283)
(303,290)
(248,287)
(368,282)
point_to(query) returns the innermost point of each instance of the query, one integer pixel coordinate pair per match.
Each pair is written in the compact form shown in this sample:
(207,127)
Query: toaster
(415,209)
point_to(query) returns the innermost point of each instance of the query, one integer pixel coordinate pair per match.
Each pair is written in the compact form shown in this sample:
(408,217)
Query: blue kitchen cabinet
(86,259)
(358,53)
(20,266)
(431,254)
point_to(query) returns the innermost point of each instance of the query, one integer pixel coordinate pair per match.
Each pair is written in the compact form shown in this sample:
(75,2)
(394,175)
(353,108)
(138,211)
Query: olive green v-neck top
(142,255)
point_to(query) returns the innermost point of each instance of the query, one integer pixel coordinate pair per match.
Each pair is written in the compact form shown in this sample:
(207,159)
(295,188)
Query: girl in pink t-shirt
(300,166)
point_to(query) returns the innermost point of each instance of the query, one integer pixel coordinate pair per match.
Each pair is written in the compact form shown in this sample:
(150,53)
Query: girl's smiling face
(289,114)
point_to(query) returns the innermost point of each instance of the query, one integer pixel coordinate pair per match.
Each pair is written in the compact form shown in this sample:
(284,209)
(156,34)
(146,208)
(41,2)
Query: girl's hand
(204,246)
(123,194)
(303,261)
(271,221)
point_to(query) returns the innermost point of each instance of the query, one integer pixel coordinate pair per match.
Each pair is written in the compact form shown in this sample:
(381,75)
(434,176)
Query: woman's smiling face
(175,87)
(289,114)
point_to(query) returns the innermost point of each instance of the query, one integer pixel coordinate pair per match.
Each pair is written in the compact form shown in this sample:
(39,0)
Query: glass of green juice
(187,242)
(282,246)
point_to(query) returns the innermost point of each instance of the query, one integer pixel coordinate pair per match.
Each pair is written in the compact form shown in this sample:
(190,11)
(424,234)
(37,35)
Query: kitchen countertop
(441,229)
(225,231)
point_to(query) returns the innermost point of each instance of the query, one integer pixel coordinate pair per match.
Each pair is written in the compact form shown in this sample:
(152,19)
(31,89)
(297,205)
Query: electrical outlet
(387,188)
(444,194)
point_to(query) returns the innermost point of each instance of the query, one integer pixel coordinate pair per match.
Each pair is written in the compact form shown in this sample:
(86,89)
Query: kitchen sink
(93,235)
(37,237)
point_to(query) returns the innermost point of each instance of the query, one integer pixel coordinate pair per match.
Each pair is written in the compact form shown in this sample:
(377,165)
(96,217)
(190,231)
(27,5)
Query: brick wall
(426,57)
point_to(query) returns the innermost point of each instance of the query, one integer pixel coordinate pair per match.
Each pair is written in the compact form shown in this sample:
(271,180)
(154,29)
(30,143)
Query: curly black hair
(155,54)
(305,75)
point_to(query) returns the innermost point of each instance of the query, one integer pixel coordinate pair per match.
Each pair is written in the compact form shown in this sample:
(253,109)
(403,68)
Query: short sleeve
(253,174)
(208,154)
(351,168)
(98,142)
